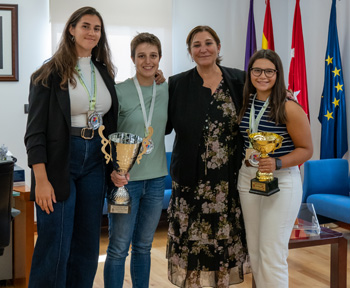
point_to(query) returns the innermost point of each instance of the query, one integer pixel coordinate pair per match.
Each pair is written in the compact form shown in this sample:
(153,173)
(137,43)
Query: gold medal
(147,143)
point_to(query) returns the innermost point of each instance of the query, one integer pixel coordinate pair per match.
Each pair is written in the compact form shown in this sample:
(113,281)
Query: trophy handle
(279,141)
(104,142)
(145,143)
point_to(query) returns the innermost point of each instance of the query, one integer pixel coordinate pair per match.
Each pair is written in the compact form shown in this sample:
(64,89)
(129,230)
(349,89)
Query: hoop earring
(73,39)
(192,59)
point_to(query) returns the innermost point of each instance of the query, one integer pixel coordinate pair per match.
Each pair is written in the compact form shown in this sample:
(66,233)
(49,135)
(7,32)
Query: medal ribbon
(142,102)
(254,122)
(92,96)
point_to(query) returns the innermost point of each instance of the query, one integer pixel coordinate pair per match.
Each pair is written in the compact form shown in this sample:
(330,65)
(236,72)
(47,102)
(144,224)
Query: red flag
(297,69)
(267,38)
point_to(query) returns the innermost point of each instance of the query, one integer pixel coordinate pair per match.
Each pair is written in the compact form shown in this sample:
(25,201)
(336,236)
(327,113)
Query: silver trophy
(124,151)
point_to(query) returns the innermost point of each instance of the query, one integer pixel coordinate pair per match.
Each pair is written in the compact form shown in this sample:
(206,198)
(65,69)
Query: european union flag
(332,116)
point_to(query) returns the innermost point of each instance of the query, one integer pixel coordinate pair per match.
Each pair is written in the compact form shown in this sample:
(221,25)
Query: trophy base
(119,208)
(264,188)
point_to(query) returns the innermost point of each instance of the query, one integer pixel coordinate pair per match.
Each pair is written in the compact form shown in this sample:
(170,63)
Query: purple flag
(250,47)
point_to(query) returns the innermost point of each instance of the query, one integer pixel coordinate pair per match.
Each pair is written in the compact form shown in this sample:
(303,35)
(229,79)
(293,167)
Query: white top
(79,98)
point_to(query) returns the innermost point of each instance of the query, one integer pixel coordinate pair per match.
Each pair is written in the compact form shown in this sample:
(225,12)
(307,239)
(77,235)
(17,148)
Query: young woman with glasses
(269,219)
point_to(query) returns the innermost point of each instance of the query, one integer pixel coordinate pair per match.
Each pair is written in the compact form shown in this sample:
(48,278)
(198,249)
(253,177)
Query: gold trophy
(124,149)
(264,142)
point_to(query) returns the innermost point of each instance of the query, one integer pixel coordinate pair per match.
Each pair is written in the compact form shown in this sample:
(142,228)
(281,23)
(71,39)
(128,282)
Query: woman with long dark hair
(70,96)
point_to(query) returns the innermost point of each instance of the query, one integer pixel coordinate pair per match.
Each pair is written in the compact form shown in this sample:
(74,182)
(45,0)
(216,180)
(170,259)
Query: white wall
(123,20)
(34,48)
(228,17)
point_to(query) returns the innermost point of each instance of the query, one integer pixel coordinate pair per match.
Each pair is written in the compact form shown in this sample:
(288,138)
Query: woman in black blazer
(70,96)
(206,238)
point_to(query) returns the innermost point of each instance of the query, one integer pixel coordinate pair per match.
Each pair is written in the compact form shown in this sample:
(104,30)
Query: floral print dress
(206,237)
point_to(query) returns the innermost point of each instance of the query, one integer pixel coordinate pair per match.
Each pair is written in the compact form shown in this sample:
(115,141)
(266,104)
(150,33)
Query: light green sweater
(130,120)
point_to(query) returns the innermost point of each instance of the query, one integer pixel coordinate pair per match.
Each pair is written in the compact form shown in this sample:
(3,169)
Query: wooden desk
(338,253)
(23,237)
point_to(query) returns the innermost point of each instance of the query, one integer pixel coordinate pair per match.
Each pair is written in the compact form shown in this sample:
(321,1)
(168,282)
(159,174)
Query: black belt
(85,133)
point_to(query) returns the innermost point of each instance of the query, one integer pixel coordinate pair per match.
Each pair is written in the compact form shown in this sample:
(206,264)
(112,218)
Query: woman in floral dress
(206,238)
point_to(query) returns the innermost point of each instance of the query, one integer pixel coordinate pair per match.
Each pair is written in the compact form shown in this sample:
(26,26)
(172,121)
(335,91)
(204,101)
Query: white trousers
(269,222)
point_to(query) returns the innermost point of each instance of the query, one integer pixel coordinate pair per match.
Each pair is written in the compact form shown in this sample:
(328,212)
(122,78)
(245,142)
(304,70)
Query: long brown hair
(65,58)
(202,28)
(277,99)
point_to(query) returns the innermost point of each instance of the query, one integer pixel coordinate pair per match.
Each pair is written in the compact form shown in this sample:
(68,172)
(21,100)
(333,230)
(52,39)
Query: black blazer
(47,137)
(186,115)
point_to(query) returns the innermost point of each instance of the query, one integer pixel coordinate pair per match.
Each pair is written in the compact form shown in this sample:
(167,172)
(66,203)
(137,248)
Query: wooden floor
(308,267)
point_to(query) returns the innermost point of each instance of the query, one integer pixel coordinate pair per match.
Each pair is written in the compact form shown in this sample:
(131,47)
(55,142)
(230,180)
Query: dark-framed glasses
(268,72)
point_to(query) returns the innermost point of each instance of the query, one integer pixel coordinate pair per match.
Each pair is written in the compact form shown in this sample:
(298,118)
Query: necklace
(147,121)
(94,119)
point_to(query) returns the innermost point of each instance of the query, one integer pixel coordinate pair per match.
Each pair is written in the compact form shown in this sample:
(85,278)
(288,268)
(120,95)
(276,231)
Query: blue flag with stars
(332,116)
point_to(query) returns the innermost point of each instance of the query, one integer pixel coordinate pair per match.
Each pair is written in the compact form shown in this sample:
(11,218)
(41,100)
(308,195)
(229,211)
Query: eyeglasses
(268,72)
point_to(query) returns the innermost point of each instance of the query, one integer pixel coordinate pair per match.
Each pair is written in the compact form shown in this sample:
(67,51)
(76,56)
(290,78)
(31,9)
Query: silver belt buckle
(82,134)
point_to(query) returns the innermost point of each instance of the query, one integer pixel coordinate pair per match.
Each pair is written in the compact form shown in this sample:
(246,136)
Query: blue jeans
(67,249)
(136,228)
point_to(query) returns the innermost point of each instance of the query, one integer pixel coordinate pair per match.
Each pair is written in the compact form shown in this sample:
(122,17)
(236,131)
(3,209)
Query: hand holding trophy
(126,149)
(265,142)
